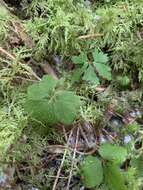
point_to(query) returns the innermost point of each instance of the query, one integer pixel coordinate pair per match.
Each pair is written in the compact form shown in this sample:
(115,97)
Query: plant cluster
(102,42)
(50,104)
(87,70)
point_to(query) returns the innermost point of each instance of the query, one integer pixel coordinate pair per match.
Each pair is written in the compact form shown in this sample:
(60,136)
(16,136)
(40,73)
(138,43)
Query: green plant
(89,70)
(123,81)
(4,23)
(49,103)
(105,169)
(57,25)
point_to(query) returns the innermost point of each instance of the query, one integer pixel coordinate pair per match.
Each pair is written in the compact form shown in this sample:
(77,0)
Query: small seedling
(48,102)
(91,71)
(104,169)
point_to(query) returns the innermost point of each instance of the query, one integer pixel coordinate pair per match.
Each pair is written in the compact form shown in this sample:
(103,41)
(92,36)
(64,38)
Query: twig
(50,176)
(60,168)
(73,160)
(6,53)
(84,136)
(64,131)
(22,65)
(107,133)
(90,36)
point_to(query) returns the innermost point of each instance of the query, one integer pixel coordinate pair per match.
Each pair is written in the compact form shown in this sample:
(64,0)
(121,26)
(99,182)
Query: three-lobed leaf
(92,172)
(88,71)
(90,75)
(103,70)
(80,60)
(100,61)
(99,57)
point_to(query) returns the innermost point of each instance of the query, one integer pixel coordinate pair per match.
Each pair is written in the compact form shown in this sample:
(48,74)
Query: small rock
(127,139)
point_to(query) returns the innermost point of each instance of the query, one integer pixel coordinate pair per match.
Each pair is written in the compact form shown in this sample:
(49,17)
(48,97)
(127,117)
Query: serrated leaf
(113,177)
(48,105)
(91,171)
(113,152)
(41,110)
(42,89)
(66,105)
(103,70)
(76,76)
(99,57)
(90,75)
(81,59)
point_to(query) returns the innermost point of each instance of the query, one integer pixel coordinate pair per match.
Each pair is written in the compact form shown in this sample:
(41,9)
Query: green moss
(10,130)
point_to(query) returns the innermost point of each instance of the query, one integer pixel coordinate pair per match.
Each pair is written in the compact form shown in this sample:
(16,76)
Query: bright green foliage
(59,24)
(56,26)
(132,127)
(11,126)
(113,177)
(88,70)
(91,171)
(137,163)
(123,81)
(113,152)
(4,22)
(51,105)
(100,59)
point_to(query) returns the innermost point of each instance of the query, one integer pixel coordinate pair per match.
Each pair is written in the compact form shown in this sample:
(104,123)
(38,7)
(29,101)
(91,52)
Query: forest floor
(71,112)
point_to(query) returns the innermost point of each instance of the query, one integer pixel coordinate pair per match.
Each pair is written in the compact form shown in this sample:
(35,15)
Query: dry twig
(61,165)
(73,160)
(90,36)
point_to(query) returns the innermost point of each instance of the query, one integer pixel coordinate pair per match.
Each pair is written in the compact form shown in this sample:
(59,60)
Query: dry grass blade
(84,136)
(73,160)
(61,165)
(56,149)
(90,36)
(25,67)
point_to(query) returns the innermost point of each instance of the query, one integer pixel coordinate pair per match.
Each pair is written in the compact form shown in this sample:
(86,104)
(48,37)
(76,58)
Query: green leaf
(103,70)
(113,177)
(123,81)
(42,89)
(66,105)
(41,110)
(76,76)
(81,59)
(113,152)
(137,163)
(50,105)
(90,75)
(99,57)
(91,171)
